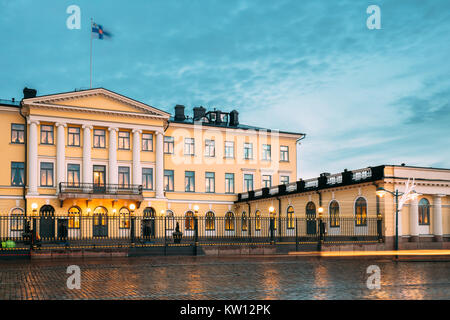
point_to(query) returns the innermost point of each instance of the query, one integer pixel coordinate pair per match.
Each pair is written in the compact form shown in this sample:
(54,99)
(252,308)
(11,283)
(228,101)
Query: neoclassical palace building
(98,152)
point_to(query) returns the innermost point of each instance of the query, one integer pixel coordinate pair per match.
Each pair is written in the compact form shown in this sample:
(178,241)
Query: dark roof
(239,126)
(9,103)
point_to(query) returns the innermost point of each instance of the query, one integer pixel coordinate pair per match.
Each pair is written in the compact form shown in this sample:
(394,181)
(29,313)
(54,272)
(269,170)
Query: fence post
(272,236)
(132,231)
(195,234)
(380,227)
(165,235)
(321,232)
(296,235)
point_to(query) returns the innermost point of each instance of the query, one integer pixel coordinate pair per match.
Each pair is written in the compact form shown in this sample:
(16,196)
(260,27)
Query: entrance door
(100,222)
(311,227)
(148,223)
(99,179)
(47,222)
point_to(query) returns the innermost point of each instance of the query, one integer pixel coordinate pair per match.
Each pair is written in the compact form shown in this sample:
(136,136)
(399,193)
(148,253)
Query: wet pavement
(274,277)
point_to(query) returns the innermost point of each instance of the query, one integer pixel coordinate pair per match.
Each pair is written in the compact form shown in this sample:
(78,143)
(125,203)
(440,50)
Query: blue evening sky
(363,97)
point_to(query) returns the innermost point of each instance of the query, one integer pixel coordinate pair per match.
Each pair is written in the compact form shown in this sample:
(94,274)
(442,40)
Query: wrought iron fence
(99,229)
(100,188)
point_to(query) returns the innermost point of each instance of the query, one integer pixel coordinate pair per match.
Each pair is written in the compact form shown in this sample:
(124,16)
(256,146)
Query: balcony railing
(106,188)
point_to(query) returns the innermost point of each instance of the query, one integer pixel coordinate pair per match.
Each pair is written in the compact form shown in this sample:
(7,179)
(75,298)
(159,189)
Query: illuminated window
(46,174)
(168,145)
(147,178)
(124,218)
(99,138)
(147,142)
(46,134)
(424,212)
(334,214)
(17,219)
(124,140)
(17,133)
(244,221)
(17,173)
(73,136)
(229,221)
(74,218)
(258,220)
(361,212)
(168,180)
(73,175)
(189,221)
(210,222)
(290,218)
(189,181)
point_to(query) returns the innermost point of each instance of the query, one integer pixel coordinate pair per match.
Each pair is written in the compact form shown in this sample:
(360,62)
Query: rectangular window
(168,145)
(73,136)
(17,133)
(229,149)
(124,140)
(147,142)
(210,182)
(46,174)
(284,180)
(99,138)
(46,134)
(73,174)
(147,178)
(17,173)
(124,177)
(168,180)
(210,148)
(189,181)
(284,153)
(267,181)
(266,152)
(229,182)
(248,182)
(248,151)
(189,146)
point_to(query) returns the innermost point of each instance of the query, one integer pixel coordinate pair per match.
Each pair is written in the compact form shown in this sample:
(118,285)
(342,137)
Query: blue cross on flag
(96,28)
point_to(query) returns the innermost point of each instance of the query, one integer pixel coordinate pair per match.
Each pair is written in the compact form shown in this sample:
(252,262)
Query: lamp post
(272,222)
(409,193)
(34,207)
(163,214)
(133,223)
(195,228)
(321,227)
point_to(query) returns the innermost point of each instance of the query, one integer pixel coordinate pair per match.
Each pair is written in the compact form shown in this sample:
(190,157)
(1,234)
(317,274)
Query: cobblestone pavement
(275,277)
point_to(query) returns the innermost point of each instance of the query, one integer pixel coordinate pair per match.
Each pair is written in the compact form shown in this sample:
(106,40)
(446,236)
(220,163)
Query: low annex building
(423,218)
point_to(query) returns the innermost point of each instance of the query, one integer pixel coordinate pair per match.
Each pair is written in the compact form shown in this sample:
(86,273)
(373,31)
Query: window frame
(189,143)
(169,141)
(246,189)
(212,143)
(17,133)
(21,173)
(73,184)
(334,214)
(145,186)
(47,132)
(147,140)
(208,179)
(170,179)
(290,217)
(264,181)
(101,145)
(286,152)
(251,150)
(266,149)
(189,178)
(362,220)
(421,207)
(122,139)
(125,174)
(72,134)
(47,170)
(226,147)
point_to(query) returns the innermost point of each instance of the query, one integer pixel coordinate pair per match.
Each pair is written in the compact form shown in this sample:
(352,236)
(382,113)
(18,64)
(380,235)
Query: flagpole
(90,68)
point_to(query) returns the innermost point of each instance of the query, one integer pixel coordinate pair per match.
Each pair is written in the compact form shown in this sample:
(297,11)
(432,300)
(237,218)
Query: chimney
(179,113)
(199,112)
(29,93)
(234,118)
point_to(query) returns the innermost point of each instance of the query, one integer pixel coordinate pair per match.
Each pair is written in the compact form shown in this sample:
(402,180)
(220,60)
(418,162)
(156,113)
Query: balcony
(99,191)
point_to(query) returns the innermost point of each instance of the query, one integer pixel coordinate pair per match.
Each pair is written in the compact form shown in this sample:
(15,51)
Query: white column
(414,220)
(33,158)
(137,175)
(159,174)
(60,153)
(112,155)
(437,217)
(87,166)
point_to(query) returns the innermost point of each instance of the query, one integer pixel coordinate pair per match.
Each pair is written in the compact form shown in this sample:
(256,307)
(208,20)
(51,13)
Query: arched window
(290,217)
(189,221)
(17,219)
(229,221)
(244,221)
(74,217)
(169,219)
(124,218)
(424,212)
(47,211)
(334,214)
(361,212)
(210,222)
(258,220)
(149,212)
(310,210)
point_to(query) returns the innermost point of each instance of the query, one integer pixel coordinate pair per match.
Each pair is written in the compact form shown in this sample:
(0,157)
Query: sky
(364,97)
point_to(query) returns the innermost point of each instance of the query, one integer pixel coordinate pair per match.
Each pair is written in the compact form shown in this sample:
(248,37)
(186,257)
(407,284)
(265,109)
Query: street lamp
(132,208)
(272,224)
(34,207)
(409,193)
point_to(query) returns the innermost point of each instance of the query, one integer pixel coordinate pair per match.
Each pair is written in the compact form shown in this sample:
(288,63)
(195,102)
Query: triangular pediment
(97,99)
